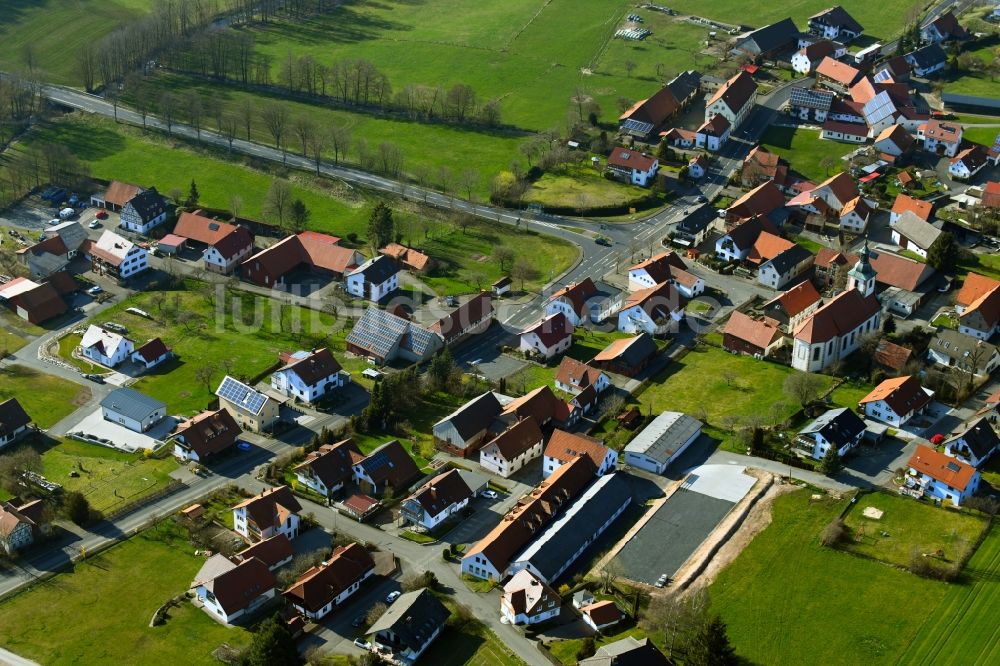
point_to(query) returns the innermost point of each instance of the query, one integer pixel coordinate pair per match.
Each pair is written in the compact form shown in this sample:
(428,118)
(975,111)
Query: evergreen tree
(830,464)
(77,507)
(380,226)
(889,325)
(299,215)
(440,370)
(943,253)
(710,645)
(193,195)
(272,645)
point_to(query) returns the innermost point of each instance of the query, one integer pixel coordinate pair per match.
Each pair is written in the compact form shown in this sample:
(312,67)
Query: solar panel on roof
(952,467)
(637,126)
(879,108)
(241,395)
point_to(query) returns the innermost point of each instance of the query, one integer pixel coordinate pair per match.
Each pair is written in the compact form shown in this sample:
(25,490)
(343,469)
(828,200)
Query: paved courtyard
(120,437)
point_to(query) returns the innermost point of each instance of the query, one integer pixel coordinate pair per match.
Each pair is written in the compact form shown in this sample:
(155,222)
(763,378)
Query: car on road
(94,224)
(55,221)
(97,379)
(359,621)
(96,289)
(603,240)
(490,494)
(243,446)
(392,596)
(102,215)
(362,643)
(662,580)
(701,198)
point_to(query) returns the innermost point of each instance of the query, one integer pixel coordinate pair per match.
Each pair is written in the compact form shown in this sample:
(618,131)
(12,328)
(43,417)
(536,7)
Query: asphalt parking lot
(671,535)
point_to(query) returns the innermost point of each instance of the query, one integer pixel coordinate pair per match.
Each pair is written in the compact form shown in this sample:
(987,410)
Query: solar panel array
(883,76)
(879,108)
(241,395)
(811,99)
(637,127)
(378,331)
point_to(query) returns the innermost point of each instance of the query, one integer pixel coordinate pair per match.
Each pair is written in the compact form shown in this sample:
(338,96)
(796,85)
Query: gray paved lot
(671,535)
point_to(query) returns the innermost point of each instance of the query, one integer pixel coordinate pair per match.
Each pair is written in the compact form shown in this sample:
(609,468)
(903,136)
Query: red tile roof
(839,72)
(757,332)
(269,551)
(949,471)
(653,110)
(974,288)
(714,126)
(797,299)
(201,229)
(628,158)
(516,439)
(232,244)
(991,194)
(575,373)
(239,587)
(768,246)
(902,394)
(551,330)
(761,200)
(577,295)
(851,129)
(946,131)
(603,613)
(152,350)
(564,446)
(119,193)
(264,509)
(892,356)
(735,92)
(412,259)
(320,585)
(840,316)
(905,202)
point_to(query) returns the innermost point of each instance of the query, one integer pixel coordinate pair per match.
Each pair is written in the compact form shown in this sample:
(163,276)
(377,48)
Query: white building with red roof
(941,477)
(734,100)
(656,310)
(904,203)
(548,337)
(573,301)
(665,267)
(633,166)
(151,354)
(895,401)
(105,347)
(941,136)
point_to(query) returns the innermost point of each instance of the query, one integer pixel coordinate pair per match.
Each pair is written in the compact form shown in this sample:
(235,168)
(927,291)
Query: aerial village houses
(662,441)
(628,651)
(968,162)
(644,119)
(734,100)
(384,337)
(633,166)
(329,468)
(105,347)
(442,497)
(144,211)
(513,448)
(913,234)
(225,245)
(527,600)
(373,280)
(14,421)
(573,301)
(835,23)
(941,477)
(789,308)
(325,587)
(713,133)
(253,410)
(808,57)
(656,311)
(840,429)
(470,318)
(309,376)
(895,401)
(387,469)
(665,267)
(113,255)
(408,258)
(275,552)
(464,431)
(627,356)
(273,511)
(33,302)
(941,137)
(310,249)
(548,337)
(116,196)
(564,446)
(572,376)
(409,626)
(905,203)
(975,445)
(206,435)
(229,590)
(767,42)
(743,334)
(978,306)
(944,27)
(136,411)
(20,524)
(894,141)
(601,615)
(151,354)
(969,354)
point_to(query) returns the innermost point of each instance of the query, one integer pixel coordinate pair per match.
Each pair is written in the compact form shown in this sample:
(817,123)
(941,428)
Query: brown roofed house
(274,552)
(326,587)
(564,446)
(513,448)
(437,500)
(116,196)
(389,468)
(327,469)
(14,421)
(470,318)
(745,335)
(273,511)
(236,590)
(895,401)
(206,435)
(317,252)
(411,259)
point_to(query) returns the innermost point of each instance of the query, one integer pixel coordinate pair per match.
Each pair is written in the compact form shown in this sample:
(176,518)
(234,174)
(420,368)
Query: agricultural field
(908,527)
(805,152)
(105,605)
(47,36)
(46,398)
(881,19)
(962,629)
(187,322)
(108,478)
(880,610)
(580,187)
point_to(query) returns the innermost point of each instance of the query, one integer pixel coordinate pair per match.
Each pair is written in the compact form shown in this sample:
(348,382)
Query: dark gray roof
(963,349)
(413,618)
(790,258)
(981,438)
(475,415)
(148,204)
(379,332)
(837,426)
(836,17)
(629,651)
(378,269)
(926,57)
(778,35)
(685,84)
(12,417)
(131,404)
(559,542)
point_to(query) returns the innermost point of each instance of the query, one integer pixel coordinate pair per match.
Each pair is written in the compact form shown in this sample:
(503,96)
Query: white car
(490,494)
(96,289)
(362,643)
(94,224)
(392,596)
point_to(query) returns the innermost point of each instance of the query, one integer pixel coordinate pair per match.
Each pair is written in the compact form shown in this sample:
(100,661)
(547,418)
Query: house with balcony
(840,429)
(441,498)
(273,511)
(975,445)
(329,468)
(897,400)
(941,477)
(324,588)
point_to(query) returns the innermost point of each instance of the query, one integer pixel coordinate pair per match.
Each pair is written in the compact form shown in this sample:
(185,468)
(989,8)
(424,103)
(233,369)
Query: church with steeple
(835,330)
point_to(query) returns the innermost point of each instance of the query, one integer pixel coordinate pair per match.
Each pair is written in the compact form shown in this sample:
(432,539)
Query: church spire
(862,276)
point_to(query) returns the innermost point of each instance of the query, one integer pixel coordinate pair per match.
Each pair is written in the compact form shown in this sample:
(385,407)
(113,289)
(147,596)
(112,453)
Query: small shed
(171,244)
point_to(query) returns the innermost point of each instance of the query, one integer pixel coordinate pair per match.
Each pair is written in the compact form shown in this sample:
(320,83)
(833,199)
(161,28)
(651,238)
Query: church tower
(862,276)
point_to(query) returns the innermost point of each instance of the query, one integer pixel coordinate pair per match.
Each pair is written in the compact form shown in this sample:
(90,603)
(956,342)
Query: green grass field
(107,477)
(788,600)
(105,605)
(977,83)
(912,527)
(882,19)
(804,151)
(46,398)
(10,342)
(586,344)
(962,628)
(199,338)
(51,34)
(582,187)
(565,650)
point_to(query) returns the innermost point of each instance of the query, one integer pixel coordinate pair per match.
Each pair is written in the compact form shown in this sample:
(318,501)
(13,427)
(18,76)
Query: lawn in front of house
(107,478)
(979,84)
(879,610)
(586,345)
(46,398)
(984,264)
(809,244)
(565,650)
(910,528)
(581,187)
(473,645)
(805,152)
(204,334)
(99,612)
(10,342)
(962,628)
